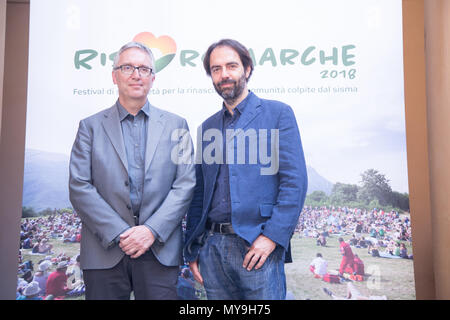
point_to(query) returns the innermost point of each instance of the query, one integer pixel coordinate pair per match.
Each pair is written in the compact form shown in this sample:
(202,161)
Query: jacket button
(128,207)
(127,183)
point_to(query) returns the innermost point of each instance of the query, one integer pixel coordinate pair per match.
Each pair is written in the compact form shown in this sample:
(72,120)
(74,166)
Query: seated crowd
(57,275)
(35,233)
(66,279)
(385,231)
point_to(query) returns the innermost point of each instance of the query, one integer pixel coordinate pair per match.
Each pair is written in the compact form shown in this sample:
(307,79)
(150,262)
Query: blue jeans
(224,278)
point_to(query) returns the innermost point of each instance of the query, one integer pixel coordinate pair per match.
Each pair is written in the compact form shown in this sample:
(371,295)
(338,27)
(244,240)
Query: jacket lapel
(155,129)
(111,124)
(216,123)
(251,111)
(211,170)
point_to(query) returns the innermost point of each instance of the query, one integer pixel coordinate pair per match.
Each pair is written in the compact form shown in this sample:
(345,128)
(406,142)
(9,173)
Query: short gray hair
(137,45)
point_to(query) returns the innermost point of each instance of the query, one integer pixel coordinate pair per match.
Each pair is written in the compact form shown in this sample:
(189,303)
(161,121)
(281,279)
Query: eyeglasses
(128,69)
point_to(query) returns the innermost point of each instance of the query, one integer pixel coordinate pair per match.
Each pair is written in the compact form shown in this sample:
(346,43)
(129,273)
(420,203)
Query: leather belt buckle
(223,228)
(221,225)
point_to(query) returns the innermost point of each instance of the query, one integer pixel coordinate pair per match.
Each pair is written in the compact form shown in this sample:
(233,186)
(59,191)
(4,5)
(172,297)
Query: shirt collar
(123,113)
(240,107)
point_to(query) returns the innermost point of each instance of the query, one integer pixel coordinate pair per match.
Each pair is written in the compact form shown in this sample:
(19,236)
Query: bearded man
(246,205)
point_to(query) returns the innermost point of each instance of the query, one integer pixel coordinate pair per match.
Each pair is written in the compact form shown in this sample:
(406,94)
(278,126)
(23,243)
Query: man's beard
(230,94)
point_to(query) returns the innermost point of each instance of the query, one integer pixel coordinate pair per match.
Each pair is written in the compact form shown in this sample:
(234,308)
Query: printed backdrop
(337,63)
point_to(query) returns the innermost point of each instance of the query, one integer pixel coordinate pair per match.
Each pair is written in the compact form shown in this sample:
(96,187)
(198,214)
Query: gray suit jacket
(99,188)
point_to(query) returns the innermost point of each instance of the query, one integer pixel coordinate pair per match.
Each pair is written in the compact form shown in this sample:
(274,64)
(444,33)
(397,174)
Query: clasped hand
(136,241)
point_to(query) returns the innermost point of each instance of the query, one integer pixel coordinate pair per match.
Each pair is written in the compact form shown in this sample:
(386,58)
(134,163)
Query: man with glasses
(129,192)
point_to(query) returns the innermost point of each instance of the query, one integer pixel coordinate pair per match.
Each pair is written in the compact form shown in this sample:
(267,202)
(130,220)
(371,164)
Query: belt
(223,228)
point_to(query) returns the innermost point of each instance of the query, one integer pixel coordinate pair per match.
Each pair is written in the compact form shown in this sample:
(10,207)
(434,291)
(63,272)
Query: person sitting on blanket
(57,280)
(28,276)
(362,243)
(31,292)
(35,248)
(25,267)
(321,241)
(41,275)
(42,247)
(358,266)
(28,243)
(404,252)
(373,250)
(391,247)
(318,266)
(75,283)
(21,284)
(353,241)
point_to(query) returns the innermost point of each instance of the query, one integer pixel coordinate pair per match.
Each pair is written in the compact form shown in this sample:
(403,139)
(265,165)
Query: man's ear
(114,77)
(247,72)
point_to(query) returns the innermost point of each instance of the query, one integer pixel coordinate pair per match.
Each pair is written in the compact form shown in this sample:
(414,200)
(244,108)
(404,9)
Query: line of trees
(29,212)
(374,192)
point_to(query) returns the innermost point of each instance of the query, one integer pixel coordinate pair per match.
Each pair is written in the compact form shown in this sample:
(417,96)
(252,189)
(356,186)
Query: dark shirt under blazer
(221,202)
(260,204)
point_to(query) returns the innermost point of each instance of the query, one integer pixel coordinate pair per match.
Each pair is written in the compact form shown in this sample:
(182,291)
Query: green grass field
(391,277)
(70,249)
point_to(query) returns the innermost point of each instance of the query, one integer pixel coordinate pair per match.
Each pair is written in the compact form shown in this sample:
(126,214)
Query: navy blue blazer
(266,196)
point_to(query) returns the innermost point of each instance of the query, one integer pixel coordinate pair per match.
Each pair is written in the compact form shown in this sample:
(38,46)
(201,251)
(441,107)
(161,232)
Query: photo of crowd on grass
(340,251)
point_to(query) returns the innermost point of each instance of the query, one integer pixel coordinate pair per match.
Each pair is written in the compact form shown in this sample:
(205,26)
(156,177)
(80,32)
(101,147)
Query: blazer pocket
(265,209)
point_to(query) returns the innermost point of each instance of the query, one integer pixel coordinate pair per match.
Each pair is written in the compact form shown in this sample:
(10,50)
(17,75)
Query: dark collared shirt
(220,211)
(134,132)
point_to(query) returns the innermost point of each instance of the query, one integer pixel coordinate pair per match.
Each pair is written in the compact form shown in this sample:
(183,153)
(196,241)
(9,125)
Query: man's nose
(136,73)
(224,73)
